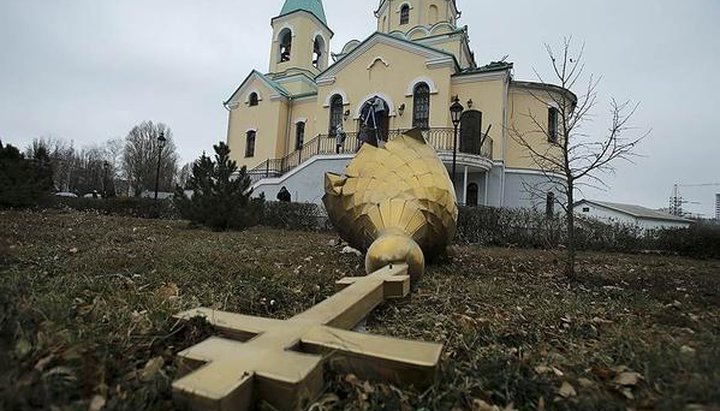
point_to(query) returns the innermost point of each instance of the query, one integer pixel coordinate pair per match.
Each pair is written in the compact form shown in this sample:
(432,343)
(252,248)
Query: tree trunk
(571,248)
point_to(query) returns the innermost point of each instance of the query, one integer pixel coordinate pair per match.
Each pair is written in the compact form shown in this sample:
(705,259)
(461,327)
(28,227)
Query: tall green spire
(312,6)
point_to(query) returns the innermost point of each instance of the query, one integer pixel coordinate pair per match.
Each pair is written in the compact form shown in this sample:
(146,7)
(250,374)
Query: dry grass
(86,303)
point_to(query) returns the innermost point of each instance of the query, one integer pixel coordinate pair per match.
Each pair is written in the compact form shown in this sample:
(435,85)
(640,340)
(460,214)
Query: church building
(312,109)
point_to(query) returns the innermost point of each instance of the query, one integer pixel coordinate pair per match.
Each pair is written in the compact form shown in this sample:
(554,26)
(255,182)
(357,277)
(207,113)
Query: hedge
(484,226)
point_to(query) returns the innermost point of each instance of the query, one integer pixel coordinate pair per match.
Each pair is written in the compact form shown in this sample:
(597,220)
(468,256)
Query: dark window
(471,132)
(421,106)
(336,114)
(253,99)
(472,195)
(405,14)
(552,125)
(250,144)
(586,209)
(285,45)
(550,205)
(299,135)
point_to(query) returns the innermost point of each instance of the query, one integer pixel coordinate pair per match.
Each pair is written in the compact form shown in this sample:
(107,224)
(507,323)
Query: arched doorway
(471,132)
(472,195)
(374,121)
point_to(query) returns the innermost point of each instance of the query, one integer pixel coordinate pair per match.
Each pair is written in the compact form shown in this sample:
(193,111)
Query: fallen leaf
(480,405)
(585,383)
(628,378)
(352,379)
(22,348)
(43,362)
(567,390)
(151,368)
(170,291)
(598,320)
(97,403)
(687,350)
(627,393)
(543,369)
(73,250)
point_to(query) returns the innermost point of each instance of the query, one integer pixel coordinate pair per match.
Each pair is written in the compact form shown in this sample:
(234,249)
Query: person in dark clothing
(284,195)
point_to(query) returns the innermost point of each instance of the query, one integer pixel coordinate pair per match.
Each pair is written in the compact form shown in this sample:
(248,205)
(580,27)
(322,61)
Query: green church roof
(312,6)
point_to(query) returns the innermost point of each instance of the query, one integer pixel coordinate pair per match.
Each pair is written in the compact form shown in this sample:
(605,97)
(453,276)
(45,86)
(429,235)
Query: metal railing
(441,138)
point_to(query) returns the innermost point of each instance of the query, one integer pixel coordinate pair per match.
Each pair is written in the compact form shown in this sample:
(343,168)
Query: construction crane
(677,201)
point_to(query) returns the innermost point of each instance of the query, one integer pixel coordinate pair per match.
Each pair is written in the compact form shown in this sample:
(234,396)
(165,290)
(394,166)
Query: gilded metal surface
(279,363)
(397,202)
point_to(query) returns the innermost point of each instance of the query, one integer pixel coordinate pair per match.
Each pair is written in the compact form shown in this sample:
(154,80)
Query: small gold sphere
(396,248)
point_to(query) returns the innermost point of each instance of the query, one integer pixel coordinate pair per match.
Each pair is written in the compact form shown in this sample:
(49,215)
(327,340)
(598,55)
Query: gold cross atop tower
(281,362)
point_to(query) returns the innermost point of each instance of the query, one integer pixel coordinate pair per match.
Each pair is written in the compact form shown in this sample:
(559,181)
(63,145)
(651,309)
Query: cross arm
(236,326)
(375,357)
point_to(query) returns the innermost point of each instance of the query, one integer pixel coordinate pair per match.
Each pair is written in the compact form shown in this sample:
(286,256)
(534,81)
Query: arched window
(250,144)
(299,135)
(285,45)
(472,195)
(405,14)
(336,114)
(253,99)
(318,48)
(421,106)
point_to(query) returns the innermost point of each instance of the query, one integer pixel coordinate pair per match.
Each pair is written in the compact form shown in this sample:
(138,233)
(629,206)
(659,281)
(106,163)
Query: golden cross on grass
(281,361)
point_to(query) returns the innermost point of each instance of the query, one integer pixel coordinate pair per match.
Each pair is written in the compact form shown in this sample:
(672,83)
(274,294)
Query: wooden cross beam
(281,362)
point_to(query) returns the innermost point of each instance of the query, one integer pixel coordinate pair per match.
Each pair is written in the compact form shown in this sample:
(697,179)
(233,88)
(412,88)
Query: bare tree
(140,158)
(90,169)
(573,156)
(184,175)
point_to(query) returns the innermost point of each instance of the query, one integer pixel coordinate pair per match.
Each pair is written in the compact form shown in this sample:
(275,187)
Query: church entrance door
(374,122)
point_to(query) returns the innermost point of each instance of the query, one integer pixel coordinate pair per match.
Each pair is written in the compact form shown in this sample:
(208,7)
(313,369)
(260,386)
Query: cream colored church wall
(267,119)
(304,110)
(488,96)
(389,73)
(523,107)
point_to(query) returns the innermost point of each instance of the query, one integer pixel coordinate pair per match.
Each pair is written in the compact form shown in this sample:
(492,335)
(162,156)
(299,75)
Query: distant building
(717,207)
(628,214)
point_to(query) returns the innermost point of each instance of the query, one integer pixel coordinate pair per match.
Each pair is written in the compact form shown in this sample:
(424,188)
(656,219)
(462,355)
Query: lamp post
(456,111)
(161,144)
(106,168)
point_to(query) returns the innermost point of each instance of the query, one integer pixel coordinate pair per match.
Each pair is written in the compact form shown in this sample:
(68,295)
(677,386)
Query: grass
(86,305)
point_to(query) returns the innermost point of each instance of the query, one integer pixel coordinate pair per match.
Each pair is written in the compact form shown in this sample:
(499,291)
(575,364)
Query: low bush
(505,227)
(296,216)
(528,229)
(118,206)
(701,240)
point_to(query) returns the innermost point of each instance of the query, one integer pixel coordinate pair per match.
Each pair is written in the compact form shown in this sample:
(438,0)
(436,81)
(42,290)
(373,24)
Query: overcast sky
(88,70)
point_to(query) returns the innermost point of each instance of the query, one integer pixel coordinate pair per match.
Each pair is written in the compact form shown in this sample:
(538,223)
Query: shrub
(23,182)
(505,227)
(701,240)
(221,198)
(296,216)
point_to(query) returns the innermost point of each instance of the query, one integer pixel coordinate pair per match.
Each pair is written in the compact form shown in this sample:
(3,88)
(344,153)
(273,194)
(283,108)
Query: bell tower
(405,15)
(301,38)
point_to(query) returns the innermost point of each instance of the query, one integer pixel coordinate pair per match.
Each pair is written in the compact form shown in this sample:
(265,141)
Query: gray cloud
(89,70)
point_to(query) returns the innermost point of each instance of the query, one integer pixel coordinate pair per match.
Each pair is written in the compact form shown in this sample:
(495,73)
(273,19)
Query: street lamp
(456,111)
(106,169)
(161,143)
